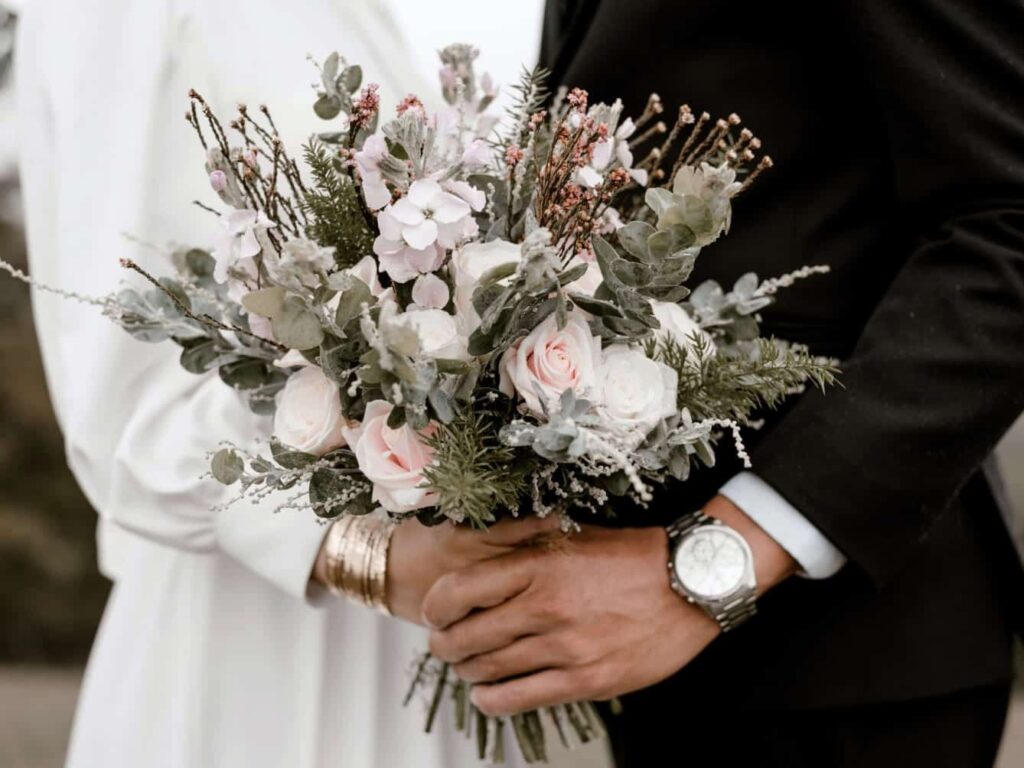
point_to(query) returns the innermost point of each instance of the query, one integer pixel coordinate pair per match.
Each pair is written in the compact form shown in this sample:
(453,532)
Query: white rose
(438,333)
(309,416)
(393,460)
(471,262)
(677,325)
(591,280)
(634,391)
(550,361)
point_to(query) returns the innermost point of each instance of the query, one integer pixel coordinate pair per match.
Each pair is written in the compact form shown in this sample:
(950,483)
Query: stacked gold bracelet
(356,555)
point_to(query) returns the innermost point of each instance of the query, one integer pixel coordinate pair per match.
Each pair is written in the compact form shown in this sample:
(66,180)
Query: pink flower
(308,416)
(549,361)
(477,155)
(218,180)
(393,460)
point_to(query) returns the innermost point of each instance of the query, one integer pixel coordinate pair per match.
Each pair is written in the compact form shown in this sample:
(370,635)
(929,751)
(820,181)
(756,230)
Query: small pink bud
(219,181)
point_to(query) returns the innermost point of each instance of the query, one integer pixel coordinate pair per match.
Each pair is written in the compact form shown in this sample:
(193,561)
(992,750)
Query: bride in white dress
(212,652)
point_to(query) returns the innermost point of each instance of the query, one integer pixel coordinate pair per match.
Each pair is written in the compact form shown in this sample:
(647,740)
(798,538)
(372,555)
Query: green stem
(438,693)
(523,738)
(417,679)
(556,717)
(481,734)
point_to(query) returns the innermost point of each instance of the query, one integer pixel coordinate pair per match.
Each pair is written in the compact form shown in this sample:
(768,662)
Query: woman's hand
(420,555)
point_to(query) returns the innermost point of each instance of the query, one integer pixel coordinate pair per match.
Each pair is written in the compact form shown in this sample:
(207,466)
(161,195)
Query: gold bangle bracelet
(356,552)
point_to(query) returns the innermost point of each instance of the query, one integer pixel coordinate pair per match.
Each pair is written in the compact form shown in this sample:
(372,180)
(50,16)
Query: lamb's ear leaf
(596,307)
(634,237)
(607,257)
(572,274)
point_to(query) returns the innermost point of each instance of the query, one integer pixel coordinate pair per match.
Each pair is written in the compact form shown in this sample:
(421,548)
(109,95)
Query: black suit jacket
(897,129)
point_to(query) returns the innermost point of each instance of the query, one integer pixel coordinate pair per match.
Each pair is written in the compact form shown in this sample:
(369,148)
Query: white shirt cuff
(817,557)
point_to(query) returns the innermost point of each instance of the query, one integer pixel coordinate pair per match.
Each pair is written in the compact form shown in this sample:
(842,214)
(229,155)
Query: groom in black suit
(897,130)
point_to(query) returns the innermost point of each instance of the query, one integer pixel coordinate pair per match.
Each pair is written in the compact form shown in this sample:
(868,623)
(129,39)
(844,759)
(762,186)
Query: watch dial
(711,562)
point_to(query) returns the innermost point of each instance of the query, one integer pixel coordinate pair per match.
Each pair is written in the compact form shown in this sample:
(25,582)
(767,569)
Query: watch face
(711,561)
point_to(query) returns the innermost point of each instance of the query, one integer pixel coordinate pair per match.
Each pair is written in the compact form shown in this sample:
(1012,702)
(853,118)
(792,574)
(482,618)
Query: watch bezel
(742,583)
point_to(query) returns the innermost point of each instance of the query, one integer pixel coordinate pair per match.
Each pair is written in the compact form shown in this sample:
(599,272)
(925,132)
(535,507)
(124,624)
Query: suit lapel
(573,18)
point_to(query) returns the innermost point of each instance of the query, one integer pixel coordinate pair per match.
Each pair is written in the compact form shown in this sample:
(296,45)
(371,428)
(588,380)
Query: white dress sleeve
(96,163)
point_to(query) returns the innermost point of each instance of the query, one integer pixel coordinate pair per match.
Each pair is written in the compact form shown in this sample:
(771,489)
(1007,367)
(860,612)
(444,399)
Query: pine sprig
(474,475)
(733,386)
(333,207)
(528,97)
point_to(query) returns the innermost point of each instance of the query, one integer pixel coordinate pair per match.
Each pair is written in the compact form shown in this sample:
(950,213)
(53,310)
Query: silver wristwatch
(711,565)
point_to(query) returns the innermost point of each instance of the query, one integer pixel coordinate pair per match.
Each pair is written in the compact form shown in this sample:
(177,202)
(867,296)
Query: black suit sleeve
(937,376)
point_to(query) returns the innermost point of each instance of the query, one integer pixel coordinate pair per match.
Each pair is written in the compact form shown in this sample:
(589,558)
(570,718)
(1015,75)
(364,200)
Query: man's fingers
(544,689)
(483,632)
(512,531)
(528,654)
(482,585)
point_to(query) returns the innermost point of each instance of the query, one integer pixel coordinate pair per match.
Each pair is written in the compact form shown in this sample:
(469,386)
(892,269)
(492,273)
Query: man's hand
(419,555)
(588,619)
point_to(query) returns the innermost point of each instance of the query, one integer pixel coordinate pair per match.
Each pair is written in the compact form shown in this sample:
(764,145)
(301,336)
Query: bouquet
(463,318)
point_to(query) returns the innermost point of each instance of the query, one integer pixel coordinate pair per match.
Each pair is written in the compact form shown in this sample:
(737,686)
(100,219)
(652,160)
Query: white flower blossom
(416,230)
(239,241)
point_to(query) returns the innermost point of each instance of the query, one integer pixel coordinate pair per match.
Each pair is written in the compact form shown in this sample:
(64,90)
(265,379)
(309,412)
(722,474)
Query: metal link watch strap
(730,615)
(687,523)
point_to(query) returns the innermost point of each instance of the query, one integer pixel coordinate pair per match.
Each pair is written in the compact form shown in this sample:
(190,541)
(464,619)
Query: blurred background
(51,595)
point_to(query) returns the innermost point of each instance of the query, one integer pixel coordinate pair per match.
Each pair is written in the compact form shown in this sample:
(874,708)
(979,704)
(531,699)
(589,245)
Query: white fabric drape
(209,653)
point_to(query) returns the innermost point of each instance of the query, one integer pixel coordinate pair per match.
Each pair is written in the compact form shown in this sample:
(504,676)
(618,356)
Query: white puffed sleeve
(105,152)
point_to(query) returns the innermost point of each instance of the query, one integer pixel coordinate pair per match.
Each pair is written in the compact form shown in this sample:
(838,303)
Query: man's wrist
(772,563)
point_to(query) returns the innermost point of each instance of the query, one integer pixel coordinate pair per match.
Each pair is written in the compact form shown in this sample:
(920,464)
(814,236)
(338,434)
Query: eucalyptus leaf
(227,466)
(296,326)
(267,302)
(290,458)
(351,78)
(330,67)
(350,305)
(247,373)
(328,107)
(200,355)
(199,262)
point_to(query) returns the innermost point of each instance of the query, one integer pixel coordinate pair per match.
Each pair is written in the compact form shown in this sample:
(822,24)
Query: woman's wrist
(353,560)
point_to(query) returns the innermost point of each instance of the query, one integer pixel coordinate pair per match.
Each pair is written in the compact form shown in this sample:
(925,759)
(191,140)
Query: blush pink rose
(393,460)
(549,361)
